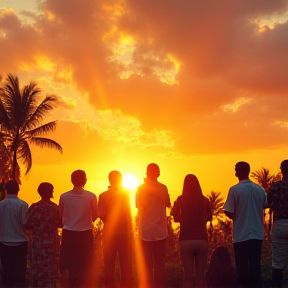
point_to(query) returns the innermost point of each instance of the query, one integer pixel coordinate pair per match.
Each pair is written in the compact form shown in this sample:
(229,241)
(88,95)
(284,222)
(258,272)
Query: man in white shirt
(13,241)
(152,198)
(245,204)
(78,210)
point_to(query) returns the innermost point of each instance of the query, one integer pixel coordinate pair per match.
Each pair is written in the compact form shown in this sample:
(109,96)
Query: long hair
(191,187)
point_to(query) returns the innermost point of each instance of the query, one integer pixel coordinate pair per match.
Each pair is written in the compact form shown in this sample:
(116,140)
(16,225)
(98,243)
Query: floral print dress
(43,221)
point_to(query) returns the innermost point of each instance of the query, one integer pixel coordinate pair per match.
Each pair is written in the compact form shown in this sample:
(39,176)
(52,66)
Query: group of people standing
(78,209)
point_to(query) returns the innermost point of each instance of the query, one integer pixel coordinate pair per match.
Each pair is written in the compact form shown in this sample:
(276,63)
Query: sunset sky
(194,86)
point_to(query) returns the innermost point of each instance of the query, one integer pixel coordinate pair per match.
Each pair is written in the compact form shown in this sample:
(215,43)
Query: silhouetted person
(193,210)
(278,203)
(13,241)
(43,220)
(152,198)
(78,211)
(245,204)
(221,273)
(114,210)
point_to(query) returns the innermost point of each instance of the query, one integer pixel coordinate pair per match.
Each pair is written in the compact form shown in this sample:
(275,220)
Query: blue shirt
(12,216)
(247,201)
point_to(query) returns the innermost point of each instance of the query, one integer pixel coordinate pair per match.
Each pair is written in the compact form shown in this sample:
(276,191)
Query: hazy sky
(194,86)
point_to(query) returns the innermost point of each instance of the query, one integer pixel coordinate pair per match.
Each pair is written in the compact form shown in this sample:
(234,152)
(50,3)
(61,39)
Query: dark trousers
(248,263)
(76,256)
(14,264)
(154,257)
(120,245)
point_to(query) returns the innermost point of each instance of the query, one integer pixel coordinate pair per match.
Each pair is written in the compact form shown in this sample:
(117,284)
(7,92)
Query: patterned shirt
(278,199)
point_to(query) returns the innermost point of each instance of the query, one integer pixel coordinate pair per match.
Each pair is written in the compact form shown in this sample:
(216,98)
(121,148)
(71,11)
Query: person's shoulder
(206,199)
(89,193)
(66,194)
(22,202)
(54,205)
(161,185)
(103,195)
(257,186)
(279,184)
(235,186)
(142,186)
(33,206)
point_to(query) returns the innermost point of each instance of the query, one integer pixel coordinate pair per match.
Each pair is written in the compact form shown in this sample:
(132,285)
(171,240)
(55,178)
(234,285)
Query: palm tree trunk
(14,164)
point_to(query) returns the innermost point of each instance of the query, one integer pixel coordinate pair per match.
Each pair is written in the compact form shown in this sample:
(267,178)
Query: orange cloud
(177,67)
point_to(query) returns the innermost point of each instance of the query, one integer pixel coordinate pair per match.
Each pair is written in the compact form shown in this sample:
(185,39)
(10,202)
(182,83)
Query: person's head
(78,178)
(242,170)
(220,257)
(12,187)
(153,171)
(191,186)
(45,190)
(115,178)
(284,167)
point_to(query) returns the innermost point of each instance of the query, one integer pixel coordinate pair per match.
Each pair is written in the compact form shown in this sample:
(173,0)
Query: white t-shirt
(152,198)
(78,209)
(247,201)
(12,216)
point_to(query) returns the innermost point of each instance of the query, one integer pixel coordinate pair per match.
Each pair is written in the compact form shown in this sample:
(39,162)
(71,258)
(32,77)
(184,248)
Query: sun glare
(129,181)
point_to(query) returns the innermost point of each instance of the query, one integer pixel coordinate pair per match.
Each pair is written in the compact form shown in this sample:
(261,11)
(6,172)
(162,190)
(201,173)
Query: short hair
(284,166)
(78,178)
(115,178)
(242,168)
(12,187)
(153,170)
(45,189)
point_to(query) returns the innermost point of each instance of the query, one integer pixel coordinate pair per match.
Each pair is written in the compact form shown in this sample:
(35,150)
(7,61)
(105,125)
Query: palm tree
(217,204)
(264,178)
(21,119)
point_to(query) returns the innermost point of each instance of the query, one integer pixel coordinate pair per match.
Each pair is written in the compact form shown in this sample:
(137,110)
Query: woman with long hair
(192,210)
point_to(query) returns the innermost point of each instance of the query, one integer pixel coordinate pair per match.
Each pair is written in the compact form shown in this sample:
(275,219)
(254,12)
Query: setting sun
(130,181)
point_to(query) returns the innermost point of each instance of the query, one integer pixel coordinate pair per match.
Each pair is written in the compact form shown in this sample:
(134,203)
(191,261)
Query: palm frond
(263,177)
(29,93)
(48,127)
(217,203)
(11,98)
(40,112)
(45,142)
(4,118)
(4,149)
(24,153)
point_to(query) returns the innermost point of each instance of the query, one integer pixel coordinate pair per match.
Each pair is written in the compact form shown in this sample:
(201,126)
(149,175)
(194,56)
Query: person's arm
(168,203)
(101,208)
(229,205)
(94,208)
(23,216)
(176,211)
(29,218)
(58,219)
(61,208)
